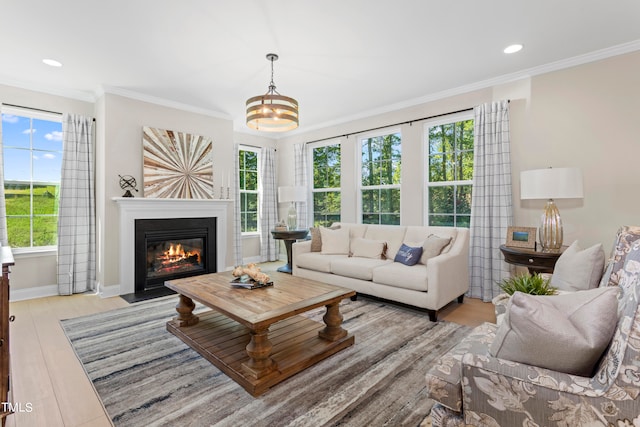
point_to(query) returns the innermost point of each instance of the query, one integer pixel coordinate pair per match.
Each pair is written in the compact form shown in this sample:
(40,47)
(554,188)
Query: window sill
(250,235)
(34,252)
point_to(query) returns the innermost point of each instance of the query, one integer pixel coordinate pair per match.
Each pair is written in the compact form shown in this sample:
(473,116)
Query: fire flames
(176,253)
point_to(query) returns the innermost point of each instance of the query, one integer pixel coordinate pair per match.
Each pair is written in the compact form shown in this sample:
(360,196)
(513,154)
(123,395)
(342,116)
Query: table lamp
(550,184)
(292,195)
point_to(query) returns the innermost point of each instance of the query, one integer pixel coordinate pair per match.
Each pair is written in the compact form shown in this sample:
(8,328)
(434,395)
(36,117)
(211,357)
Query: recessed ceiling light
(513,48)
(52,62)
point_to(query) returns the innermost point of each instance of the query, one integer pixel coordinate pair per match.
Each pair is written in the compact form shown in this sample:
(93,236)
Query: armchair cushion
(578,269)
(566,333)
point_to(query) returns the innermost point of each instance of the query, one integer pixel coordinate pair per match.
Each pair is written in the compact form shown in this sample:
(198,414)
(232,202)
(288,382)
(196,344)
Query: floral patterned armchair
(471,387)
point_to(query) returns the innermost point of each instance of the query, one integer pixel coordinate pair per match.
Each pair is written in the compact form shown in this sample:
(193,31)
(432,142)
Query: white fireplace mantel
(132,208)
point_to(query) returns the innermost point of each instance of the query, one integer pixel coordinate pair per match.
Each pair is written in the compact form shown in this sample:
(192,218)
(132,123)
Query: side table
(536,261)
(288,236)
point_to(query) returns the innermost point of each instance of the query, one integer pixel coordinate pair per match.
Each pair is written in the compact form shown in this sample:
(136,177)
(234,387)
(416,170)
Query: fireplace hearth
(172,248)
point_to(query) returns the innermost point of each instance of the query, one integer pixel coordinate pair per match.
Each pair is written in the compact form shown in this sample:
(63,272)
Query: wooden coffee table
(256,336)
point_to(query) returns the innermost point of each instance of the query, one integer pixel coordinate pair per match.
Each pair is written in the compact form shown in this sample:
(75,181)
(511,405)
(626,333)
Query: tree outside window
(450,173)
(249,189)
(380,179)
(32,150)
(326,184)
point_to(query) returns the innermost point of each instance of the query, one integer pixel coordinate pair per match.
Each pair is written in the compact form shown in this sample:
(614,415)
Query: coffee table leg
(333,319)
(185,312)
(259,350)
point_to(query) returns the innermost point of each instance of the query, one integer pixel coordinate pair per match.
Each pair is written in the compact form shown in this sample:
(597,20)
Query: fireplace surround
(133,208)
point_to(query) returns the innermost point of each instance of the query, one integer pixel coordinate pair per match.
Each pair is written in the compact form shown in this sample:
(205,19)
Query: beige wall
(581,116)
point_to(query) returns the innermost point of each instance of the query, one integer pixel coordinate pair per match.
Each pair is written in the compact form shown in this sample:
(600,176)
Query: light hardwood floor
(47,375)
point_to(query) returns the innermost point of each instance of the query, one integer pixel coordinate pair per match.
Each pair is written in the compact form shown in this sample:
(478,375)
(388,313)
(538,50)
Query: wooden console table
(6,258)
(536,261)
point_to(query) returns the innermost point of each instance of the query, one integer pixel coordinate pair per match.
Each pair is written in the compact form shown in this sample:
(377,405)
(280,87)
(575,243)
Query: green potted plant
(536,284)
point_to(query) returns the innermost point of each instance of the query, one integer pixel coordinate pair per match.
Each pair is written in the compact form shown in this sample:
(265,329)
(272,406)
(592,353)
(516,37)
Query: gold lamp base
(551,228)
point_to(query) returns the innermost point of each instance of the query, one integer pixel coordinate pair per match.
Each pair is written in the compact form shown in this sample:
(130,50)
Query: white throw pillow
(335,242)
(368,248)
(565,333)
(578,269)
(432,247)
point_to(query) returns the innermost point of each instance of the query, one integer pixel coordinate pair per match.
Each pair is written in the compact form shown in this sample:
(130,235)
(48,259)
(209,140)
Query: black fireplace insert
(172,248)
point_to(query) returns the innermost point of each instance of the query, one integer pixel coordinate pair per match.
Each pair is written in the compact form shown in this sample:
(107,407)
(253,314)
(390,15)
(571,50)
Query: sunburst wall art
(177,164)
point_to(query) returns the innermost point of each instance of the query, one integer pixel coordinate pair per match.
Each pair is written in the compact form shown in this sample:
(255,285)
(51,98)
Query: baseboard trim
(32,293)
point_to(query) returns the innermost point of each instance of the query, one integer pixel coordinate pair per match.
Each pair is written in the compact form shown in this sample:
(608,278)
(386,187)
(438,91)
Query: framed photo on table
(521,237)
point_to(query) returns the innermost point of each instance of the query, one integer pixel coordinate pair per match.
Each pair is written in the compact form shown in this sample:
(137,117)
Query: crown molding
(160,101)
(484,84)
(78,95)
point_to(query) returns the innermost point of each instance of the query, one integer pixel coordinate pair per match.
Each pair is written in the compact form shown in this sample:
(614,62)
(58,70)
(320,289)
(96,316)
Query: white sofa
(430,286)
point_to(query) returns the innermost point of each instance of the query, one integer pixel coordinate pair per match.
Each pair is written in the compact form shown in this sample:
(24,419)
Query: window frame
(258,192)
(312,190)
(451,118)
(33,115)
(360,186)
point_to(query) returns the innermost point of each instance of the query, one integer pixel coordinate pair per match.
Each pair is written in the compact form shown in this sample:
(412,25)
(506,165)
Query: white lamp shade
(551,183)
(292,194)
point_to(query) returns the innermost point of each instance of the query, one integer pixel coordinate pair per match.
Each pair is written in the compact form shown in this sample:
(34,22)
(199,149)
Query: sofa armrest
(448,273)
(301,247)
(297,249)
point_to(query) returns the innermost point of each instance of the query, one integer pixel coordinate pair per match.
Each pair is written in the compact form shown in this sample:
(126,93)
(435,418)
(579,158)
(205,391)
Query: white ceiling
(339,58)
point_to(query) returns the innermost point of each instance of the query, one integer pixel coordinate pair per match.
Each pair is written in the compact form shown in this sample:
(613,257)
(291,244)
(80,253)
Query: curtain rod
(410,122)
(36,109)
(253,146)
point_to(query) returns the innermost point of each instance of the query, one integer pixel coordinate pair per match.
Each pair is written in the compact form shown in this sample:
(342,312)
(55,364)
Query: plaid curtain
(300,179)
(268,204)
(77,208)
(491,201)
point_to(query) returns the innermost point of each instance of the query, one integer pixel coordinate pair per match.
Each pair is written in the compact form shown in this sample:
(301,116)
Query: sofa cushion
(357,268)
(432,247)
(335,241)
(316,237)
(316,261)
(368,248)
(392,234)
(408,255)
(402,276)
(578,269)
(420,233)
(566,333)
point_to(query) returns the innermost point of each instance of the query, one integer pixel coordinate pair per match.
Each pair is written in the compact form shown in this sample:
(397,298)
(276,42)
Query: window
(249,189)
(449,172)
(326,184)
(32,150)
(380,179)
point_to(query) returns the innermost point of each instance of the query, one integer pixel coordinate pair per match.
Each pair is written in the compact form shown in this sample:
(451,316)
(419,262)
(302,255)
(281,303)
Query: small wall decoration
(521,237)
(177,164)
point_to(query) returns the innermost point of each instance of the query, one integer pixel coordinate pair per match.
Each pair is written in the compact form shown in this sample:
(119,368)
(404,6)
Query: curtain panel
(491,201)
(3,207)
(76,214)
(268,204)
(301,170)
(237,218)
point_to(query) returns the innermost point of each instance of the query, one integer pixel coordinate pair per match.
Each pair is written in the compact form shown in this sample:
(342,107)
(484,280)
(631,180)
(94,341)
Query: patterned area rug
(145,376)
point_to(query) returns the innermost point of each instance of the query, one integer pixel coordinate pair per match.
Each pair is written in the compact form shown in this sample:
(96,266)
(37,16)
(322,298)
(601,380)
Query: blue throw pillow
(408,255)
